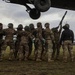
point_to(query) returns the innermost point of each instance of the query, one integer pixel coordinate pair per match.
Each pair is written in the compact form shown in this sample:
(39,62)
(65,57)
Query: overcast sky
(16,14)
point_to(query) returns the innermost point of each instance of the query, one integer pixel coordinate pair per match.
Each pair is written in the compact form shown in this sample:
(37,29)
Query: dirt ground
(36,68)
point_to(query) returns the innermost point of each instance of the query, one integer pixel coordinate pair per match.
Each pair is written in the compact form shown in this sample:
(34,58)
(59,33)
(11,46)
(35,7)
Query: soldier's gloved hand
(43,40)
(33,40)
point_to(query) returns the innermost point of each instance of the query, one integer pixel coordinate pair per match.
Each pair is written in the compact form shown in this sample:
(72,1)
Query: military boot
(50,60)
(38,60)
(0,59)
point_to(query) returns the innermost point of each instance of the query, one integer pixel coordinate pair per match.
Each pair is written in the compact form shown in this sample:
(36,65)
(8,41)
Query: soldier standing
(9,32)
(49,37)
(38,42)
(24,47)
(56,45)
(1,39)
(67,38)
(18,39)
(31,41)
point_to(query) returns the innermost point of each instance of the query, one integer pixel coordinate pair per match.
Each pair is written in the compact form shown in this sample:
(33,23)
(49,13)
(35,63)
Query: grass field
(37,68)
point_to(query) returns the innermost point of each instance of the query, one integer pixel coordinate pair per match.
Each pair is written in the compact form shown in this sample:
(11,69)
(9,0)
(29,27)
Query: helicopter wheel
(42,5)
(34,13)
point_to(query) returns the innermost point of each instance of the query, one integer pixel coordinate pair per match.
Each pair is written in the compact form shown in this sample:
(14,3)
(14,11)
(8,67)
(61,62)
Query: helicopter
(39,6)
(43,5)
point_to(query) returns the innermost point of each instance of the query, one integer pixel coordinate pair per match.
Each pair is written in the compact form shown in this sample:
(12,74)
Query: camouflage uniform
(43,53)
(67,38)
(38,42)
(9,32)
(56,45)
(18,39)
(1,39)
(49,37)
(24,48)
(31,41)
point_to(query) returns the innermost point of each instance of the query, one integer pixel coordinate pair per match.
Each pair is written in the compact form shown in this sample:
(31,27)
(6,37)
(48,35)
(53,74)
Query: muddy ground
(36,68)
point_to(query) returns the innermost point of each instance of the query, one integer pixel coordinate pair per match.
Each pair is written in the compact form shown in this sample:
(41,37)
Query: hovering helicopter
(43,5)
(39,6)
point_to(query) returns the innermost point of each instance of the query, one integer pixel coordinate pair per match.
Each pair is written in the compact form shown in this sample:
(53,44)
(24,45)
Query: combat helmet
(1,25)
(26,28)
(39,24)
(66,26)
(20,27)
(47,25)
(31,26)
(10,25)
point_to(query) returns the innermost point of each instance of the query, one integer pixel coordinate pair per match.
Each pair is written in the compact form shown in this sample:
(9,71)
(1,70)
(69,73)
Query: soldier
(56,45)
(33,33)
(1,39)
(67,38)
(38,42)
(24,47)
(18,39)
(49,37)
(9,32)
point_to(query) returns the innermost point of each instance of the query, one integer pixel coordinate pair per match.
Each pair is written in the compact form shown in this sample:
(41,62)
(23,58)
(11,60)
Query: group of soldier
(46,41)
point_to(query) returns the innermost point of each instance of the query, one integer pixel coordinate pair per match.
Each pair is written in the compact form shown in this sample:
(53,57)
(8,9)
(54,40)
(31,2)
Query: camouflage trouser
(44,51)
(67,46)
(9,43)
(56,50)
(16,48)
(1,43)
(49,46)
(38,50)
(23,51)
(30,48)
(0,51)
